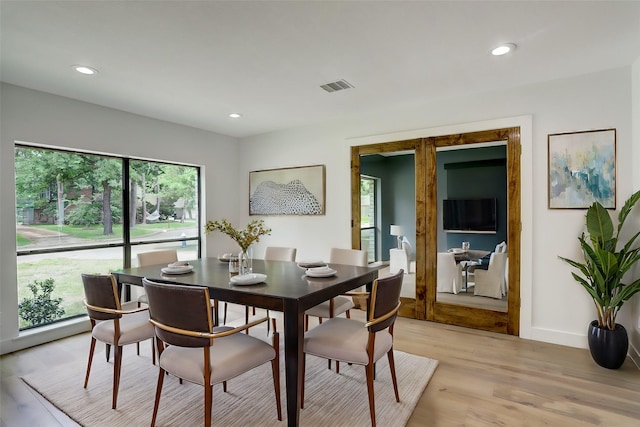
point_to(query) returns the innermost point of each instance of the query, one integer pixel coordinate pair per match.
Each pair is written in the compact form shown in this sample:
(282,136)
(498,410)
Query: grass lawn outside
(66,269)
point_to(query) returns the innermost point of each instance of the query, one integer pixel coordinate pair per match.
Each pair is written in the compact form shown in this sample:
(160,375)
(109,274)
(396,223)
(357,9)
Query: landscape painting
(582,169)
(287,191)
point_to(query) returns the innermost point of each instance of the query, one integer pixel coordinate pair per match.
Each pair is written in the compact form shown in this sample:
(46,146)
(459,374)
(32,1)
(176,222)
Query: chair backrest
(182,307)
(501,247)
(497,267)
(157,257)
(101,290)
(275,253)
(406,246)
(349,257)
(385,297)
(448,276)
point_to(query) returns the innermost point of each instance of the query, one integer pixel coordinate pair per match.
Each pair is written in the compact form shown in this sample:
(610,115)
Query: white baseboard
(559,337)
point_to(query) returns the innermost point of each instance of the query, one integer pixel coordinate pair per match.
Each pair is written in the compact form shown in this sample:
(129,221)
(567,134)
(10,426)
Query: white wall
(634,331)
(37,117)
(554,308)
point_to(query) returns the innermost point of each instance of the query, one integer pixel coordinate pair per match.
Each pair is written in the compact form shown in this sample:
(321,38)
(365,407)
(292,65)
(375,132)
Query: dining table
(287,288)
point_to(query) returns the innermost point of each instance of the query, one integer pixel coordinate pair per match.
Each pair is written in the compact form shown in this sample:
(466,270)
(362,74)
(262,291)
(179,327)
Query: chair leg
(161,374)
(392,367)
(246,318)
(138,344)
(348,314)
(337,367)
(224,314)
(108,351)
(208,401)
(116,374)
(275,368)
(153,352)
(303,363)
(306,323)
(91,350)
(372,404)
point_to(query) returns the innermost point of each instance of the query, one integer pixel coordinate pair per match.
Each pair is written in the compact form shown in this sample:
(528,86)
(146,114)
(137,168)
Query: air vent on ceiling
(336,86)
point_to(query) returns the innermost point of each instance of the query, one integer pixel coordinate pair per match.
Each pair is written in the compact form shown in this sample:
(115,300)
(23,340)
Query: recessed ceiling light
(235,115)
(83,69)
(503,49)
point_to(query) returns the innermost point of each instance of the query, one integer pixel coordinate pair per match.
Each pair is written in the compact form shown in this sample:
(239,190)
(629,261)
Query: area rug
(330,399)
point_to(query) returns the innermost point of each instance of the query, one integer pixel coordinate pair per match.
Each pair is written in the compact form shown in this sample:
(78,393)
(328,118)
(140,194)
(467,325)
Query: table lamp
(396,230)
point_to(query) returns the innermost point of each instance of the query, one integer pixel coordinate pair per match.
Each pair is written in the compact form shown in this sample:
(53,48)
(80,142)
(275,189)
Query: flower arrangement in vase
(244,238)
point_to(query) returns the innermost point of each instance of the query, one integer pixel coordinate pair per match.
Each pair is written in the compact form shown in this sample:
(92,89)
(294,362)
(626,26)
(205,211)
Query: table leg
(293,354)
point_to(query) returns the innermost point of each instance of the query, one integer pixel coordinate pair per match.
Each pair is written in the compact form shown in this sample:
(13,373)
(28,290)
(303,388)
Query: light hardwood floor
(483,379)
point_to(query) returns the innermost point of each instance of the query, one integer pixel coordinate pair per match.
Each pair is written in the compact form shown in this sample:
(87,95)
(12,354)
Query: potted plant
(606,260)
(244,238)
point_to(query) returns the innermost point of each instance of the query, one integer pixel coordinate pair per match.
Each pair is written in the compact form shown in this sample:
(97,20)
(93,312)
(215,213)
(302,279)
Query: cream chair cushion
(340,305)
(229,357)
(134,327)
(345,340)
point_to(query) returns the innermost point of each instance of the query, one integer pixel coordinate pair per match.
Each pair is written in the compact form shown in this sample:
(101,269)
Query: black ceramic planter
(608,348)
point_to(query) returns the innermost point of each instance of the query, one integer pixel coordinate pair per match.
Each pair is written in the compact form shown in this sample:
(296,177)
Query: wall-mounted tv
(470,215)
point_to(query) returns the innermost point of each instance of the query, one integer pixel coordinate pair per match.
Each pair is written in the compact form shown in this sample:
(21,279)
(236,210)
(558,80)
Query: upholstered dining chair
(340,304)
(449,274)
(199,352)
(152,258)
(111,324)
(491,282)
(166,256)
(354,342)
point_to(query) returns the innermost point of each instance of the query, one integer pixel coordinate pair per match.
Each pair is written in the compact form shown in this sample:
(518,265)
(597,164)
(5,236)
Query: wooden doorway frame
(425,306)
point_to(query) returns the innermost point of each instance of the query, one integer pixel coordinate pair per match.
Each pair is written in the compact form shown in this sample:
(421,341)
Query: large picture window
(84,213)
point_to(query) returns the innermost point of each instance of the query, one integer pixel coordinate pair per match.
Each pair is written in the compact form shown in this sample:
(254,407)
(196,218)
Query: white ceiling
(194,62)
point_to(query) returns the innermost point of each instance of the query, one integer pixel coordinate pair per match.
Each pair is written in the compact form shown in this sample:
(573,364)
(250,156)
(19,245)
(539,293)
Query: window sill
(44,334)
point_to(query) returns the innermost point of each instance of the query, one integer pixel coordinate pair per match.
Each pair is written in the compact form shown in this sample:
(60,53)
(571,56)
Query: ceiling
(194,62)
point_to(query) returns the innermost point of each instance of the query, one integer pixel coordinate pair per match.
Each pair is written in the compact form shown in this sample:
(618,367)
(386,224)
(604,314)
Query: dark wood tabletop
(286,289)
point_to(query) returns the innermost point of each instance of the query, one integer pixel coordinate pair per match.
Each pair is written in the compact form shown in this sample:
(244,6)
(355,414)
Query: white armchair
(449,276)
(401,259)
(491,282)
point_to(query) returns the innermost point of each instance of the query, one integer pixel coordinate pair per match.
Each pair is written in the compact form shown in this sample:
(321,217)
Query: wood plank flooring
(483,379)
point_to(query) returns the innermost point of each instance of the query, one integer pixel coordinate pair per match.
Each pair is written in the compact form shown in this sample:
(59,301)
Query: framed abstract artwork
(582,169)
(288,191)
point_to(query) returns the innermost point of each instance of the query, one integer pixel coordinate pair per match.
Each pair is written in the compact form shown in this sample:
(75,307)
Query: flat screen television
(470,215)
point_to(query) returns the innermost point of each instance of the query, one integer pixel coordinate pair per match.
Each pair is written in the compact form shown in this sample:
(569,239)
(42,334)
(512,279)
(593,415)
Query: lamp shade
(396,230)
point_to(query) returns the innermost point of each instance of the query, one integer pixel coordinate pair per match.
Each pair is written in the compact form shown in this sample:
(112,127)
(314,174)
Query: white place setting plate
(320,272)
(311,264)
(178,269)
(248,279)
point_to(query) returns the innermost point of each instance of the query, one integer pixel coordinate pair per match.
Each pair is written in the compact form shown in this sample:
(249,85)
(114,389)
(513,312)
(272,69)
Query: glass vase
(245,261)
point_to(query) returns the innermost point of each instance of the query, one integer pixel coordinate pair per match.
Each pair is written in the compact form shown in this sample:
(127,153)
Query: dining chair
(340,304)
(358,343)
(449,273)
(111,324)
(155,257)
(166,256)
(198,352)
(491,282)
(271,253)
